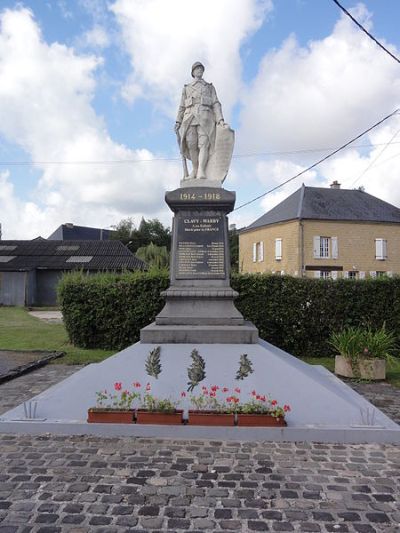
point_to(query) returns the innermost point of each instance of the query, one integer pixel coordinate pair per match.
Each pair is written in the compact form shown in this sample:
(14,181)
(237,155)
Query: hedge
(298,315)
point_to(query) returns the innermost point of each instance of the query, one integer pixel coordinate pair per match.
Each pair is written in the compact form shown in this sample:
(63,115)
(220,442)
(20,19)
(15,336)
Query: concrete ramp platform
(324,409)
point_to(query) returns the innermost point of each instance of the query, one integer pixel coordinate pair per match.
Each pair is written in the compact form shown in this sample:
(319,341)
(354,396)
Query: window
(325,247)
(325,274)
(79,259)
(352,274)
(6,258)
(380,249)
(258,251)
(278,249)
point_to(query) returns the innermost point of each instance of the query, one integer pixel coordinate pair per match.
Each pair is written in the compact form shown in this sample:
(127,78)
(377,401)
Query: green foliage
(153,363)
(154,256)
(234,249)
(357,343)
(196,371)
(108,310)
(297,315)
(245,367)
(149,231)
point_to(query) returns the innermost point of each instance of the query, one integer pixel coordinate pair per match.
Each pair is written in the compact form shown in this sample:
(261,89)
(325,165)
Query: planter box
(374,369)
(259,420)
(110,416)
(159,417)
(211,418)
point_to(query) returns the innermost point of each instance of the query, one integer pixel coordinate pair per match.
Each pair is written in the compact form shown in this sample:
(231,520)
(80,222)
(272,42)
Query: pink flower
(118,385)
(214,388)
(183,394)
(258,397)
(137,385)
(253,393)
(213,394)
(263,398)
(286,408)
(225,389)
(229,399)
(236,400)
(237,390)
(148,387)
(274,402)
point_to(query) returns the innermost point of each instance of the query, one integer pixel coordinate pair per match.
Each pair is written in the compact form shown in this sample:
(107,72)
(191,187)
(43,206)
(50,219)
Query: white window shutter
(261,258)
(372,274)
(346,274)
(317,274)
(334,274)
(254,252)
(384,248)
(379,251)
(278,249)
(361,275)
(335,253)
(317,247)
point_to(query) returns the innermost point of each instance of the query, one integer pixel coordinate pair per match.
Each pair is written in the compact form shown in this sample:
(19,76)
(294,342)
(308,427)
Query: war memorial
(200,315)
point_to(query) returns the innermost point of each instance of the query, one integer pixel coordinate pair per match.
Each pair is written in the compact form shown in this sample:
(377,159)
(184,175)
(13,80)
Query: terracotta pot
(259,420)
(159,417)
(110,416)
(211,418)
(374,369)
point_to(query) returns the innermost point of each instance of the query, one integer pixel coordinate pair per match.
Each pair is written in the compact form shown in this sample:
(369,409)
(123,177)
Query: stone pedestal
(199,302)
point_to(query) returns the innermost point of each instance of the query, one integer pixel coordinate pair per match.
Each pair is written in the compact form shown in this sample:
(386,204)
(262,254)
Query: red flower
(253,393)
(183,394)
(263,398)
(274,402)
(203,387)
(229,399)
(213,394)
(236,400)
(137,385)
(258,397)
(225,389)
(237,390)
(214,388)
(286,408)
(118,385)
(148,387)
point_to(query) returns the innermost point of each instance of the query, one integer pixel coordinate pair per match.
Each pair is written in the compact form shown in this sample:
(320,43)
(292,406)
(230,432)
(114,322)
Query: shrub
(295,314)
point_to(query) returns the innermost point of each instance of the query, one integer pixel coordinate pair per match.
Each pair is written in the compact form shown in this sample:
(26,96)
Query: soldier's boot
(195,163)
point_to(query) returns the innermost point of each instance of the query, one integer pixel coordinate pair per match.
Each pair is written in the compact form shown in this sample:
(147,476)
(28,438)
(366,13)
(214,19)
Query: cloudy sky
(89,92)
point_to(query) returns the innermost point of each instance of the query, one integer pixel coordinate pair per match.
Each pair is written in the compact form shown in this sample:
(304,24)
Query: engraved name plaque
(200,247)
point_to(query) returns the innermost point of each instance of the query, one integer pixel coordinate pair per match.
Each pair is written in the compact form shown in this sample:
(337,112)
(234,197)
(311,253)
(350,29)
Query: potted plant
(363,353)
(261,411)
(209,410)
(113,407)
(154,410)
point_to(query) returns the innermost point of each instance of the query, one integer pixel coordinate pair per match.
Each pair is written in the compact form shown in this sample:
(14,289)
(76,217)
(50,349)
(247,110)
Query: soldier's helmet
(197,64)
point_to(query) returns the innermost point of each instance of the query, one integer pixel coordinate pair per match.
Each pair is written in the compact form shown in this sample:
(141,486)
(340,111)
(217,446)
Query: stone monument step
(199,334)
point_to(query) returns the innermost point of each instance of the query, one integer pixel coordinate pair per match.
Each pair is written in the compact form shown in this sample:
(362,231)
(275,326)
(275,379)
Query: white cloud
(46,108)
(320,95)
(163,39)
(97,37)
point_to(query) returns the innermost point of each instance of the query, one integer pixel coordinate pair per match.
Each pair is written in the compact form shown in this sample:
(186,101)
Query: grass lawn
(20,331)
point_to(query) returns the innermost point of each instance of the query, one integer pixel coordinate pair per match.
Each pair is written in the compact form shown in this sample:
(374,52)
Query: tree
(149,231)
(234,249)
(154,256)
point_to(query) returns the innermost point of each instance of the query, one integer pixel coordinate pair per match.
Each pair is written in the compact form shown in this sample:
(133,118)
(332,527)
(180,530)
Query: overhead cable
(366,31)
(319,162)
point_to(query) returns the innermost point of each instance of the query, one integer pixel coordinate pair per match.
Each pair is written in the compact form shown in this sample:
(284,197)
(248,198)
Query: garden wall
(298,315)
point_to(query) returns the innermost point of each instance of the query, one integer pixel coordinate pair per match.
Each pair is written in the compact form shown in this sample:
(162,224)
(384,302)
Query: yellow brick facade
(356,248)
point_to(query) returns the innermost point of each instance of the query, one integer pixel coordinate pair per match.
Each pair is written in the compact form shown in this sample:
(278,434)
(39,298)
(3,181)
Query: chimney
(335,185)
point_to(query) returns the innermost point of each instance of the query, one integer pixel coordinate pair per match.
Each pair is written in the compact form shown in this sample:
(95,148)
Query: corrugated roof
(44,254)
(318,203)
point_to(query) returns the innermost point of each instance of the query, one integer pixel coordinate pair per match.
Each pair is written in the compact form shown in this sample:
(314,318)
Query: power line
(366,31)
(318,162)
(371,164)
(174,159)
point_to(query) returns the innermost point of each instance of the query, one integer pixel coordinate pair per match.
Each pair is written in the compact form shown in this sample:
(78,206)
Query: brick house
(324,232)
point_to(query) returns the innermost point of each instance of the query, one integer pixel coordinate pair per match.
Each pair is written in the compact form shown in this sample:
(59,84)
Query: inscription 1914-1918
(200,247)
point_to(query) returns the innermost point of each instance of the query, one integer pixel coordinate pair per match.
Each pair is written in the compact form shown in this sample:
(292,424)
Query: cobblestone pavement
(83,484)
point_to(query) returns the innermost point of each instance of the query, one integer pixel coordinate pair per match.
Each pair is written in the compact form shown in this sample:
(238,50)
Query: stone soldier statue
(199,113)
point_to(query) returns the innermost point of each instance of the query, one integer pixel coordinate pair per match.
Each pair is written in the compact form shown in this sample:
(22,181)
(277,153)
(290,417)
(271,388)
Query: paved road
(84,484)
